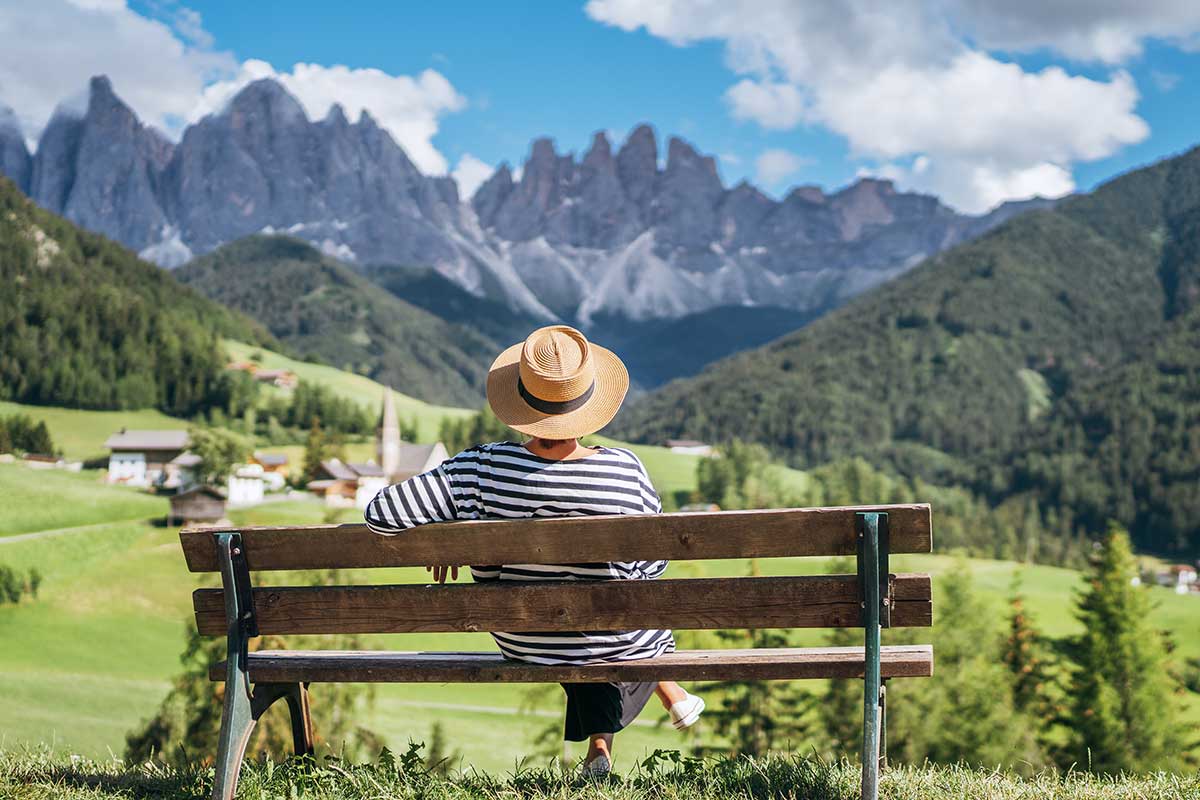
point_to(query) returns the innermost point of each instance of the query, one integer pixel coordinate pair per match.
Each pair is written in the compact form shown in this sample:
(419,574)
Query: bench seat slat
(317,666)
(813,601)
(568,540)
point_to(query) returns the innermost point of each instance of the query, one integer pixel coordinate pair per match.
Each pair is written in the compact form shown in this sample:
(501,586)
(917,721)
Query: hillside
(655,350)
(123,586)
(321,308)
(86,324)
(950,371)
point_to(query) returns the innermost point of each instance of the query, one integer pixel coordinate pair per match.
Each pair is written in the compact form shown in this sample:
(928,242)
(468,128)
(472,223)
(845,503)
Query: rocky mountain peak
(682,157)
(268,98)
(15,161)
(8,119)
(336,116)
(101,94)
(808,194)
(599,156)
(637,167)
(491,194)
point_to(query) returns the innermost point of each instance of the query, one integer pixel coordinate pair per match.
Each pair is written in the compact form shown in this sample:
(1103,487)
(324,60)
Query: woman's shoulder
(623,455)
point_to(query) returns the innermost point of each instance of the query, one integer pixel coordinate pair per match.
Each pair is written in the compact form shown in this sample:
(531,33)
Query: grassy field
(26,493)
(94,654)
(80,434)
(39,777)
(355,387)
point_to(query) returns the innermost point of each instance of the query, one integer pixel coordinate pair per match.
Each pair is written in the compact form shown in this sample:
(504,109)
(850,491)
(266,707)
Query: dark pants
(594,708)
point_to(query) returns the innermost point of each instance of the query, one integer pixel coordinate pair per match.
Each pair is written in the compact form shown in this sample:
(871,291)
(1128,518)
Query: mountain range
(610,235)
(1056,355)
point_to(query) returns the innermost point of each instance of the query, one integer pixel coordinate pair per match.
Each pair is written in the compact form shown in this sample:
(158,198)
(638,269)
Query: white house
(246,485)
(140,458)
(689,447)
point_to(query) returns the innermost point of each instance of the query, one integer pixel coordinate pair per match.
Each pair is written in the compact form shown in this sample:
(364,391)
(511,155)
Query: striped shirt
(506,481)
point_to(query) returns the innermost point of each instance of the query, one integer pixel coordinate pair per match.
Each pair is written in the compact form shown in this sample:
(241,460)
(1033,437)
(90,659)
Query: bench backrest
(709,603)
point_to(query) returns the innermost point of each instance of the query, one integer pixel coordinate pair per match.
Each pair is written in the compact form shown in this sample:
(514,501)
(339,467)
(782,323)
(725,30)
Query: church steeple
(387,438)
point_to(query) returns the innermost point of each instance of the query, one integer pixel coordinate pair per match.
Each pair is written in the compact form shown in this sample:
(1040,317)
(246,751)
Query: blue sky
(1074,102)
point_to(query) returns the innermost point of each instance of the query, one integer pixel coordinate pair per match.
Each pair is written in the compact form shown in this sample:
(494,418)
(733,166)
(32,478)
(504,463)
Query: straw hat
(556,385)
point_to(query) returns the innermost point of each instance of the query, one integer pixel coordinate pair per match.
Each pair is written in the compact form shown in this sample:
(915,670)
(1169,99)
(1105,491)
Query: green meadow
(95,653)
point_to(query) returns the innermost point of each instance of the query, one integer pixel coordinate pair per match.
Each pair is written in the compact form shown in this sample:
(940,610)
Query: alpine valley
(635,244)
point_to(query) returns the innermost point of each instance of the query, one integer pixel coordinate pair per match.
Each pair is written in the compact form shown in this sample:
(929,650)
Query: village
(159,462)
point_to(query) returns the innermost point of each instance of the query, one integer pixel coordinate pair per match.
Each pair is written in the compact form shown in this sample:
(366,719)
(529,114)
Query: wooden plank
(566,540)
(816,601)
(302,666)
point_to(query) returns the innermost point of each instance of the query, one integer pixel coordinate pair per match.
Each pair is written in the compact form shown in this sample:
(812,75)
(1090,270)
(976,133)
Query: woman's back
(506,480)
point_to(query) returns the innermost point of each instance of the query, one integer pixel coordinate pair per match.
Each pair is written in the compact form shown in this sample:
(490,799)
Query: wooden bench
(872,598)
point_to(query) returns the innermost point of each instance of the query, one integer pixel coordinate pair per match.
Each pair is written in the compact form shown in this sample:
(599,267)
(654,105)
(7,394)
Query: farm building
(140,458)
(200,505)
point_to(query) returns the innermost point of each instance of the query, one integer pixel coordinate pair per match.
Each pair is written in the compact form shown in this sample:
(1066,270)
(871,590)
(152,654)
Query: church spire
(387,440)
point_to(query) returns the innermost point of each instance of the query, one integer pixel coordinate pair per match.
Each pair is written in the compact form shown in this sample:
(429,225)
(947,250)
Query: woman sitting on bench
(555,387)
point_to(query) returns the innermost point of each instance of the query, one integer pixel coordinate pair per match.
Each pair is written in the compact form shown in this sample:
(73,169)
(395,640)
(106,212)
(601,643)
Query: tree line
(1108,700)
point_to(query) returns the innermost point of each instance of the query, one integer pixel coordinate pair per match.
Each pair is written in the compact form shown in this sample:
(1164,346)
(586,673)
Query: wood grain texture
(565,540)
(286,666)
(817,601)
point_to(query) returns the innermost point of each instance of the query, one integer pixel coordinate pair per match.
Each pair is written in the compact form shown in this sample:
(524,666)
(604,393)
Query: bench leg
(237,722)
(296,695)
(869,569)
(242,711)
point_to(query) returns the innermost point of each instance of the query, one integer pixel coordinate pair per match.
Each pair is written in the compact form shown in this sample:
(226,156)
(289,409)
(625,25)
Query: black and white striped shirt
(506,481)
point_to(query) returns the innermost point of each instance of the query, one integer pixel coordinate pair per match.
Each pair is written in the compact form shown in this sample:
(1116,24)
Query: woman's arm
(417,501)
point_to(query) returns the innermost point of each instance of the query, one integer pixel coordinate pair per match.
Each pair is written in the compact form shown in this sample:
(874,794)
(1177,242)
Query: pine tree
(315,448)
(841,706)
(1125,716)
(966,713)
(755,718)
(1023,653)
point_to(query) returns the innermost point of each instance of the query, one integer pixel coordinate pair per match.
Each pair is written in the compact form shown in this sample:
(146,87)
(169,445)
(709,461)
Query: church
(344,483)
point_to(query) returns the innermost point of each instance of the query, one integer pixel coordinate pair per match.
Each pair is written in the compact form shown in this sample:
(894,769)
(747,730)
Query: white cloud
(1164,81)
(774,166)
(732,159)
(49,49)
(469,174)
(409,108)
(903,80)
(168,71)
(1108,31)
(775,106)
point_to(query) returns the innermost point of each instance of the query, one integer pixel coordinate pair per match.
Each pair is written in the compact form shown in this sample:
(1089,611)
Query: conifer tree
(1024,655)
(754,718)
(966,713)
(841,706)
(1125,714)
(315,449)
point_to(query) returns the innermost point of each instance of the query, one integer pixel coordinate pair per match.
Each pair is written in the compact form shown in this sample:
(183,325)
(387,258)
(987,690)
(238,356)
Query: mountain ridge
(967,366)
(609,233)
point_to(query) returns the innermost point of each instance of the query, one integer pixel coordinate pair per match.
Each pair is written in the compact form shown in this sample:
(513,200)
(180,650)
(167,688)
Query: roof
(339,471)
(367,469)
(208,490)
(147,440)
(186,460)
(271,374)
(271,459)
(318,486)
(685,443)
(414,457)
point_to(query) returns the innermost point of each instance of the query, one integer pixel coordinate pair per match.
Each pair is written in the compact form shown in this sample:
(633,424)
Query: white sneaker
(687,711)
(598,767)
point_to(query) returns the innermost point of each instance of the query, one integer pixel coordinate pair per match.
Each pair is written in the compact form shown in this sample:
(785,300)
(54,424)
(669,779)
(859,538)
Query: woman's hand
(441,571)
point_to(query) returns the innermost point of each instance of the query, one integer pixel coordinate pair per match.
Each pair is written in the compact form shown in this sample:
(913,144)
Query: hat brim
(612,383)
